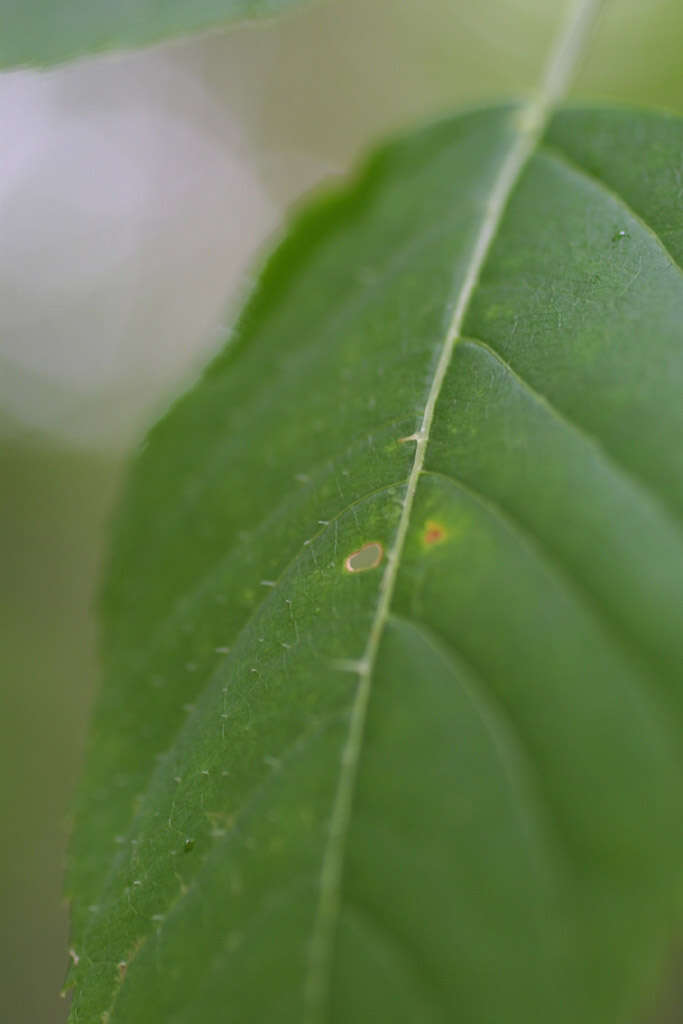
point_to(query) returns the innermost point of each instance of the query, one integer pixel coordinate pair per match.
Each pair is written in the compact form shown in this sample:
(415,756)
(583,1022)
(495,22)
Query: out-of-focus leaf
(50,31)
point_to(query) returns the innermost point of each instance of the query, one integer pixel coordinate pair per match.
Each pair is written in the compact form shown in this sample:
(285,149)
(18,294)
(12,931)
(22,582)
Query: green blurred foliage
(44,32)
(53,516)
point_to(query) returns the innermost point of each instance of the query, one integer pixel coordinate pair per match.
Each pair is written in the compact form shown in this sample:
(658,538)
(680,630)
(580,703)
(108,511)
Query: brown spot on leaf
(434,533)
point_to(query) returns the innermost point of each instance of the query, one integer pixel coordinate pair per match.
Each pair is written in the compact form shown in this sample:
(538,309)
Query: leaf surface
(447,787)
(51,31)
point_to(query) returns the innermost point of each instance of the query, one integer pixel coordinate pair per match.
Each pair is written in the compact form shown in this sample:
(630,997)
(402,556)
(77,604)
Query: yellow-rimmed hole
(367,557)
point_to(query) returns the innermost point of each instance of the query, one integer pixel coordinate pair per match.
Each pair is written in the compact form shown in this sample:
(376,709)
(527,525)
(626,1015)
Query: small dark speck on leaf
(189,845)
(367,557)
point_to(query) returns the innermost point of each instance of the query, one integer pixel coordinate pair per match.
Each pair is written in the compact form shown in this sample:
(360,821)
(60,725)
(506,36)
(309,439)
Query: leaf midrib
(530,124)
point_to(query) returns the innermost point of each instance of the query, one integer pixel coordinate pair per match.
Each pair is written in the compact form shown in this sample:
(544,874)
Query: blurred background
(137,195)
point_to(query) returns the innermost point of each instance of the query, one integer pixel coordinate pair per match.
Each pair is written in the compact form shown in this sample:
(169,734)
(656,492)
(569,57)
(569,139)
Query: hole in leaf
(367,557)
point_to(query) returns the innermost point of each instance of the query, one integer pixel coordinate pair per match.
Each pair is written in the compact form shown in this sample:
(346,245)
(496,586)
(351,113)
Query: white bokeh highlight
(128,221)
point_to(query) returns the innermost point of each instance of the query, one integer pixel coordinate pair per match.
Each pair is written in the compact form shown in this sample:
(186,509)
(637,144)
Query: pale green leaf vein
(517,759)
(627,644)
(612,463)
(559,156)
(530,125)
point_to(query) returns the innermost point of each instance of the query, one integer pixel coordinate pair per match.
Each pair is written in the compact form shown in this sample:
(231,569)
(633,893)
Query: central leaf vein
(529,127)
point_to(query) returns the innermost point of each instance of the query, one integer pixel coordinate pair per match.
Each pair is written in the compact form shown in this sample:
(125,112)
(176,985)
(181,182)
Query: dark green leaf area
(502,839)
(314,438)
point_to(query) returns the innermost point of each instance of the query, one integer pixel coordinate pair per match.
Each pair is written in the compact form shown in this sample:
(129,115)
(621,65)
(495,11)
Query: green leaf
(391,723)
(445,787)
(50,31)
